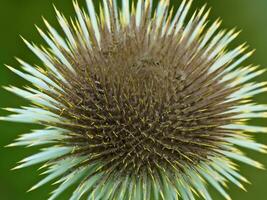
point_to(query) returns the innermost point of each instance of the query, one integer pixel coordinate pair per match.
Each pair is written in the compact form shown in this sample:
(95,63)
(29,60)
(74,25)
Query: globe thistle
(139,103)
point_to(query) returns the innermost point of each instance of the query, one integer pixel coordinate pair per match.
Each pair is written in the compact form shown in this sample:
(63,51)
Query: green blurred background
(17,17)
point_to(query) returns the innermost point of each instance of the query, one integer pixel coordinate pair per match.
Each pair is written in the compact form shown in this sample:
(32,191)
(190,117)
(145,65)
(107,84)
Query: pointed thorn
(2,118)
(15,168)
(23,39)
(10,145)
(31,189)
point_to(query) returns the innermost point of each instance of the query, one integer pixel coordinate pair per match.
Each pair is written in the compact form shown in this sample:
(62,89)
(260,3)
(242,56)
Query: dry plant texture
(139,103)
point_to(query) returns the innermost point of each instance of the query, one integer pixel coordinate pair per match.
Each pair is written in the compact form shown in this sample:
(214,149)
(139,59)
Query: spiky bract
(138,104)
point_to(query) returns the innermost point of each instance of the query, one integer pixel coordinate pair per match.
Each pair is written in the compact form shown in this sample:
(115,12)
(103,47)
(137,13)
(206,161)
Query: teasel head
(139,103)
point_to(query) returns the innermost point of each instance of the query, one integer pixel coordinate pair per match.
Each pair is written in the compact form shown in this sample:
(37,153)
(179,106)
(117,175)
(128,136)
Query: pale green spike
(56,37)
(214,41)
(44,96)
(226,164)
(149,6)
(34,110)
(148,186)
(176,17)
(126,11)
(35,81)
(211,179)
(247,108)
(242,158)
(124,189)
(57,170)
(228,57)
(37,98)
(31,115)
(156,189)
(138,189)
(111,190)
(223,42)
(161,12)
(37,73)
(47,154)
(189,190)
(107,15)
(104,191)
(93,19)
(252,93)
(44,134)
(250,76)
(120,194)
(166,186)
(82,23)
(247,128)
(250,144)
(248,89)
(239,61)
(99,191)
(182,191)
(250,115)
(31,143)
(227,175)
(27,118)
(239,74)
(96,194)
(187,29)
(68,181)
(139,12)
(198,183)
(65,26)
(23,143)
(39,137)
(213,28)
(181,20)
(87,185)
(43,56)
(55,49)
(197,31)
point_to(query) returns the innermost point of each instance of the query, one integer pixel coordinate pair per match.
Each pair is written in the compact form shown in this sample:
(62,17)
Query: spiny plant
(139,103)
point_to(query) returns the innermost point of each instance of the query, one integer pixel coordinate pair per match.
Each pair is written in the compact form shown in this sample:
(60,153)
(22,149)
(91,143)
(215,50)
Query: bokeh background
(17,17)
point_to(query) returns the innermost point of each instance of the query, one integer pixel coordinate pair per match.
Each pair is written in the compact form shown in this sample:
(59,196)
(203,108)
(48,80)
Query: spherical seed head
(137,108)
(138,104)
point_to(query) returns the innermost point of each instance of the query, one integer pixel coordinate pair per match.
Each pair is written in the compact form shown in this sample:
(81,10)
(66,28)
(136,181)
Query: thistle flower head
(138,103)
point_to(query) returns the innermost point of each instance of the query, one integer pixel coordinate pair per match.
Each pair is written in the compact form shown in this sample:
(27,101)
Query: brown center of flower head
(140,101)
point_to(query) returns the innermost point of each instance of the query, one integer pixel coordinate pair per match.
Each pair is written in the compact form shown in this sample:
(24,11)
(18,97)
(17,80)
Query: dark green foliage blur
(17,17)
